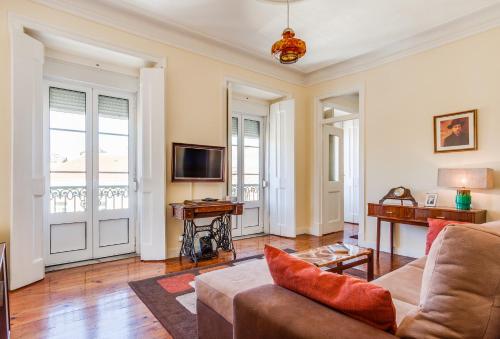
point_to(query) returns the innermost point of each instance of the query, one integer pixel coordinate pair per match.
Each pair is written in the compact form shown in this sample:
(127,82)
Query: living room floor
(95,301)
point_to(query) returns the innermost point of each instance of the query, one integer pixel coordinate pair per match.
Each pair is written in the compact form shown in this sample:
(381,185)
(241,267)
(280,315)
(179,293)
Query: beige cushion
(218,288)
(402,309)
(419,263)
(460,286)
(403,283)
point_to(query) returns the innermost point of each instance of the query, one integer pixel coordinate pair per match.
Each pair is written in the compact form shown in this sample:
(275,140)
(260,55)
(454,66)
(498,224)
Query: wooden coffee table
(325,257)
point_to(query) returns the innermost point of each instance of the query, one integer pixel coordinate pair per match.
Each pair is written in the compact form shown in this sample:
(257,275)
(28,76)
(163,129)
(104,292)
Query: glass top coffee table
(332,261)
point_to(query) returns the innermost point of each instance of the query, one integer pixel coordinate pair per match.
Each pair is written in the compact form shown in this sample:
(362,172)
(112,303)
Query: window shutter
(234,127)
(252,129)
(67,101)
(115,108)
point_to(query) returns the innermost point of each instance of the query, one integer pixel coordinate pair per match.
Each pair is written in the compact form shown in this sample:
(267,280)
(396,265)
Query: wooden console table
(414,215)
(219,229)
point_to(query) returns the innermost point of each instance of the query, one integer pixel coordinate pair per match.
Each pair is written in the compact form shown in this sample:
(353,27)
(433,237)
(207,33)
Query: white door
(351,169)
(247,172)
(89,174)
(333,180)
(113,174)
(282,169)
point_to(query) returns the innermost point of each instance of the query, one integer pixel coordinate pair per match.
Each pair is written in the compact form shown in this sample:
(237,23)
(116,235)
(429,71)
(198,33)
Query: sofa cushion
(435,227)
(360,300)
(460,286)
(217,288)
(404,283)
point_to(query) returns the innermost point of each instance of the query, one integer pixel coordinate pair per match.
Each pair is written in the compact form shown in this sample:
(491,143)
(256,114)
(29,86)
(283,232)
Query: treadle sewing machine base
(219,230)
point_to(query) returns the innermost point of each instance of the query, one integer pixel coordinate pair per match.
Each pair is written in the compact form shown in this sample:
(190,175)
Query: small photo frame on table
(431,199)
(454,132)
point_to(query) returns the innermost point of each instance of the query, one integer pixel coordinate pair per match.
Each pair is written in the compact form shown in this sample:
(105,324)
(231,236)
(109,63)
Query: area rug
(172,300)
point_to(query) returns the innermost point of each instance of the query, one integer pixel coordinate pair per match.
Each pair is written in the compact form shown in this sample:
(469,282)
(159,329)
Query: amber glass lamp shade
(289,49)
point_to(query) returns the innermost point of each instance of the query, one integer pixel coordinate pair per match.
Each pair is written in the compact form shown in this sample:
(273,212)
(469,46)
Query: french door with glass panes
(90,173)
(247,172)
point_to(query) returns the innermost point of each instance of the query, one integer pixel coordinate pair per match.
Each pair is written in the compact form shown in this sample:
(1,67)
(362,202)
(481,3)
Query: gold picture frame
(455,132)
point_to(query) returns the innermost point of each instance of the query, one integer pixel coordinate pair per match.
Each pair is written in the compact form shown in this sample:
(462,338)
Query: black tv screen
(197,163)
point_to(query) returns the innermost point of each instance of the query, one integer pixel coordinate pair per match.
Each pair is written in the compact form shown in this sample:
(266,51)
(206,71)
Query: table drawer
(388,211)
(423,214)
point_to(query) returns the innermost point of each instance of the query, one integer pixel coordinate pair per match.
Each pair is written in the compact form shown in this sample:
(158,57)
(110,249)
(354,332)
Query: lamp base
(463,199)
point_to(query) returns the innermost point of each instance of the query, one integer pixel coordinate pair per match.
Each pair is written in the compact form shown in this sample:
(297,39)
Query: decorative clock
(399,193)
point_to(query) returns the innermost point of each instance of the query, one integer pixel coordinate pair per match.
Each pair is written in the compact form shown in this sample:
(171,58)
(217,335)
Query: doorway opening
(340,121)
(252,127)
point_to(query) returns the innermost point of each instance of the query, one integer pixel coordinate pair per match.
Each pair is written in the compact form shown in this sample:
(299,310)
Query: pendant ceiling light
(289,49)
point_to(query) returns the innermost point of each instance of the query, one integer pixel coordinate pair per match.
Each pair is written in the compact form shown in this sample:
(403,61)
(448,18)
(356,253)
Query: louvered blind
(234,127)
(252,129)
(67,101)
(110,107)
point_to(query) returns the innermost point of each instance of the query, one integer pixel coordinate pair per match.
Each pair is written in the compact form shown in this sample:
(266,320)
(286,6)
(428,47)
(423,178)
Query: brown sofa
(242,301)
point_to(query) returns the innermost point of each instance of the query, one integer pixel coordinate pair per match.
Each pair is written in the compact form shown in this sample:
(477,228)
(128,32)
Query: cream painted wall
(401,99)
(195,107)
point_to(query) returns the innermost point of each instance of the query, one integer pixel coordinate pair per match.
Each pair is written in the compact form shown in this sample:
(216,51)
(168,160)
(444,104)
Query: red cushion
(361,300)
(436,226)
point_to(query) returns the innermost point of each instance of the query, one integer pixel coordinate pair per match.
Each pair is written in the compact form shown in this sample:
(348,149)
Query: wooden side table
(415,215)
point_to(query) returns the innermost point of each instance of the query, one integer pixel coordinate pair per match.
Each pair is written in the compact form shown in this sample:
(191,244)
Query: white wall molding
(175,37)
(464,27)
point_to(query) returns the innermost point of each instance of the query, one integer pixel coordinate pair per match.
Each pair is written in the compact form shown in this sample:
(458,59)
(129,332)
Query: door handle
(135,185)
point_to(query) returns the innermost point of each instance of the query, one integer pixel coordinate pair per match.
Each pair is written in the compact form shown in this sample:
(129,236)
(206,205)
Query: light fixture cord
(287,14)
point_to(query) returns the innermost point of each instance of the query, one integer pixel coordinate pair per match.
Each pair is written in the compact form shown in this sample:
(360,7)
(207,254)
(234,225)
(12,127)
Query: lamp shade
(465,177)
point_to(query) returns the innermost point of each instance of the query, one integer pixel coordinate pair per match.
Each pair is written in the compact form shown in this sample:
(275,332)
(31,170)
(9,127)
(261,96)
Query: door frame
(317,197)
(92,91)
(229,81)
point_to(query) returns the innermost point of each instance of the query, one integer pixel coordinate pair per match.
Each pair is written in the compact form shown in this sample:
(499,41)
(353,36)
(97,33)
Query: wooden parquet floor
(95,301)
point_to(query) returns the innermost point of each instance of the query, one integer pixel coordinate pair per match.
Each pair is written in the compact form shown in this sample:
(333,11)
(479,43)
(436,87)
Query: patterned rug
(172,300)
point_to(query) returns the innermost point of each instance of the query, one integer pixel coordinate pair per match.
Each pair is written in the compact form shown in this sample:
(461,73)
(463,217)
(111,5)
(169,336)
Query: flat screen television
(197,163)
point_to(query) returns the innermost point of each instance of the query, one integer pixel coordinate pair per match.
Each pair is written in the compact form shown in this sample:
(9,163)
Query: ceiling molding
(176,37)
(464,27)
(152,29)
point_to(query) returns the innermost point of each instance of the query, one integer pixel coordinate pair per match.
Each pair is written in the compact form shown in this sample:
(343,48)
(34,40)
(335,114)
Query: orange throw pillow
(436,226)
(356,298)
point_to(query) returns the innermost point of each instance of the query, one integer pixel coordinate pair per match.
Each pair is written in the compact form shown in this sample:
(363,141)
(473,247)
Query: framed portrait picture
(431,200)
(455,132)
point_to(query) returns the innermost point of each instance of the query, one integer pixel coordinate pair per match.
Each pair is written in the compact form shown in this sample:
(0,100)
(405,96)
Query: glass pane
(113,153)
(113,126)
(234,157)
(251,160)
(67,151)
(251,187)
(67,192)
(333,163)
(67,121)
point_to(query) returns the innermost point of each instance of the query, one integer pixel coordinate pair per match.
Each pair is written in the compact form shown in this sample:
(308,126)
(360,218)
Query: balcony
(68,199)
(250,192)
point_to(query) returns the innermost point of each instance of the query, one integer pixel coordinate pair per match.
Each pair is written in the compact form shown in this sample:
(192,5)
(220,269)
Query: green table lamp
(465,179)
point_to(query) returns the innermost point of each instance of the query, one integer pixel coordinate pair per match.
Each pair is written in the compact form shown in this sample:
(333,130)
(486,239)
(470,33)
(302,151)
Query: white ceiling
(334,30)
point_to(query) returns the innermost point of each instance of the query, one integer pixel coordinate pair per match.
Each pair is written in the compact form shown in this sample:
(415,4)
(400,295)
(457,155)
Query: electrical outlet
(180,238)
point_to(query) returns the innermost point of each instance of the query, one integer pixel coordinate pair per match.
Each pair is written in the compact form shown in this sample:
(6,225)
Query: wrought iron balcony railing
(66,199)
(250,192)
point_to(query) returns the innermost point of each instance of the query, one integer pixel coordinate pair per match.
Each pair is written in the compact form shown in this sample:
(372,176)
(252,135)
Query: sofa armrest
(271,311)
